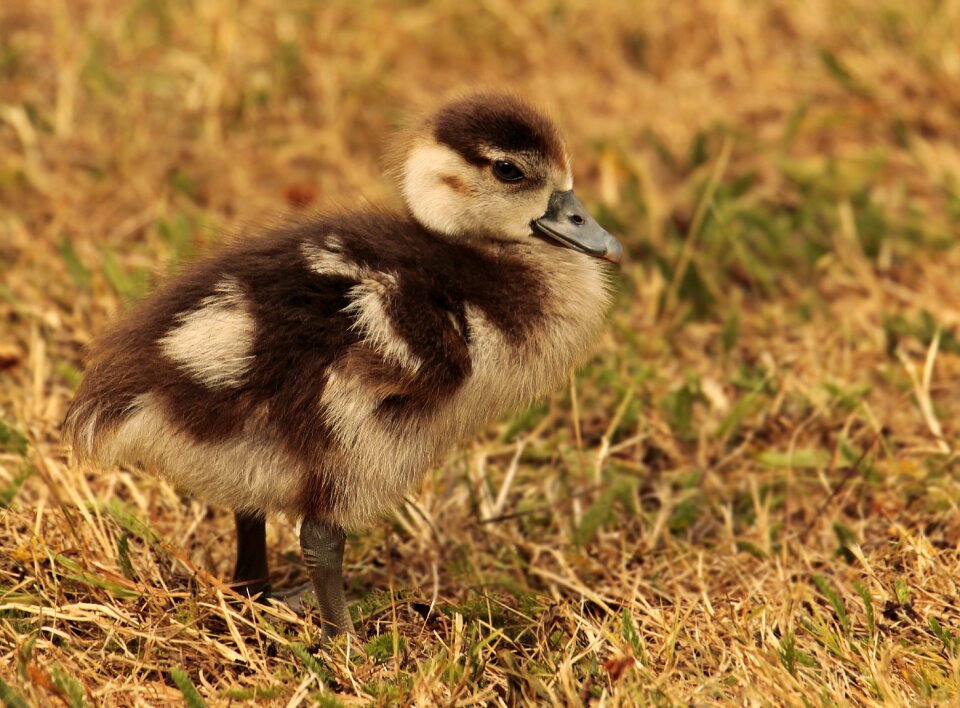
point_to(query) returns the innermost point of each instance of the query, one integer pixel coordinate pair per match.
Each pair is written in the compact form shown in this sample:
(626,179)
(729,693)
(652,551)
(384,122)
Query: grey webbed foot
(299,598)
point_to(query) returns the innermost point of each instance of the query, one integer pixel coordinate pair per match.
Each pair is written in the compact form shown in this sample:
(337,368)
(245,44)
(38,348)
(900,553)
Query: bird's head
(490,163)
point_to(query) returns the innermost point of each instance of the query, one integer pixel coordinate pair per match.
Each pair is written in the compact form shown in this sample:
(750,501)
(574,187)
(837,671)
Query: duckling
(316,372)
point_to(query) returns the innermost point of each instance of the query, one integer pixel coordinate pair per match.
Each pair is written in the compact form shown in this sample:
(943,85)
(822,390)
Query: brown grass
(750,496)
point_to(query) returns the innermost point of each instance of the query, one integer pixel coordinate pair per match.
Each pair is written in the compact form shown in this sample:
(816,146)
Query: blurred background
(750,494)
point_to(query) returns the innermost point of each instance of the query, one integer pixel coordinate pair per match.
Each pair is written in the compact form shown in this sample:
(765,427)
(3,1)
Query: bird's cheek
(520,217)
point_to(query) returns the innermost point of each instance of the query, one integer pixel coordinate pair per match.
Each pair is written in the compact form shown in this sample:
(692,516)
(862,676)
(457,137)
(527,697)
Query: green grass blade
(69,687)
(10,698)
(190,695)
(835,600)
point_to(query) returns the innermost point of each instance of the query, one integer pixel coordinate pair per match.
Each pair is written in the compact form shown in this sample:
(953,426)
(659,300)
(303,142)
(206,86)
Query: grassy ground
(750,495)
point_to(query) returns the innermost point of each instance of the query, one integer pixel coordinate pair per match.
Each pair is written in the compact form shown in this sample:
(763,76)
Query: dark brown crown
(497,120)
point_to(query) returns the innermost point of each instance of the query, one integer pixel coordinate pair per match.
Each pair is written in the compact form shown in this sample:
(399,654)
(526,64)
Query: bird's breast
(391,434)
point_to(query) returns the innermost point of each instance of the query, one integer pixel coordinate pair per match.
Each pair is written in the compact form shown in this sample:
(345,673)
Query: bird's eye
(506,171)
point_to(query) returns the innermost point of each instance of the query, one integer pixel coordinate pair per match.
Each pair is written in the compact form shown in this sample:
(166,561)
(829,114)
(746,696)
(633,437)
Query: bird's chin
(548,240)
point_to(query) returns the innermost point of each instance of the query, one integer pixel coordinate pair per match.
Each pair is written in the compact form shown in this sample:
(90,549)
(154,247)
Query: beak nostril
(576,219)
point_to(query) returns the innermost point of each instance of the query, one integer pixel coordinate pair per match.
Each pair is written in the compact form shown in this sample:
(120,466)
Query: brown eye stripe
(455,183)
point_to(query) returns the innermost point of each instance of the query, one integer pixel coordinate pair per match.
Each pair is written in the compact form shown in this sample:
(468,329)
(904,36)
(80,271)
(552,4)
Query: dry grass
(749,496)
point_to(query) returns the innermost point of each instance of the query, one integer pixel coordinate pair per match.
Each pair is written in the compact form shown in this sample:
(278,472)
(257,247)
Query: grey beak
(568,221)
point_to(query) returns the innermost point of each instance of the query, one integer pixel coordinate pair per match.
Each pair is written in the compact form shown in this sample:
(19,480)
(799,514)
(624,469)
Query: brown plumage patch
(497,120)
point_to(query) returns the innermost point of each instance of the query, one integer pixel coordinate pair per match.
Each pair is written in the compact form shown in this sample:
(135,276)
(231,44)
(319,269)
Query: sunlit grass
(750,494)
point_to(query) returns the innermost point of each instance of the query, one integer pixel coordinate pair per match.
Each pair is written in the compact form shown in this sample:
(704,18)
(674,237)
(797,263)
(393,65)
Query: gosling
(319,370)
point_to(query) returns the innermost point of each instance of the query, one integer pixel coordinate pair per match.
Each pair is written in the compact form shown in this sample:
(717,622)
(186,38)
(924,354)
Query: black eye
(507,171)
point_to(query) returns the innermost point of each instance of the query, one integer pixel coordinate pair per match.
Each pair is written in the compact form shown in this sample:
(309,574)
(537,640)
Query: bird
(317,370)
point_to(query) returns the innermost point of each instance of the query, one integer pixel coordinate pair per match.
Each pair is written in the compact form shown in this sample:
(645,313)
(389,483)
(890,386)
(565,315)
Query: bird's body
(319,370)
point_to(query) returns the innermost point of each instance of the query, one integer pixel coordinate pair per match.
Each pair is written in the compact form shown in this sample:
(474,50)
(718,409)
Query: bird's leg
(322,545)
(250,574)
